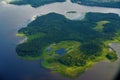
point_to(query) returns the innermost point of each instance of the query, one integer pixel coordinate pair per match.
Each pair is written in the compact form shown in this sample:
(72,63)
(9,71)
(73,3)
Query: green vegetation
(111,56)
(74,61)
(100,25)
(101,3)
(67,46)
(20,35)
(91,48)
(34,3)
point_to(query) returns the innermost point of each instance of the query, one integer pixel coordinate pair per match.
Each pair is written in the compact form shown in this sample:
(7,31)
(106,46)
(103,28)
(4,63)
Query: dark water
(60,51)
(11,66)
(48,49)
(12,18)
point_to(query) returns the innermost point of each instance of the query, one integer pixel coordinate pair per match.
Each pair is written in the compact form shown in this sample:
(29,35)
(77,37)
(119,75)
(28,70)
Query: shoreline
(23,41)
(25,38)
(115,46)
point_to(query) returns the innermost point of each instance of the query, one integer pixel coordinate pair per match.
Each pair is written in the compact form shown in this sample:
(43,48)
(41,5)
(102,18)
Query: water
(60,51)
(12,18)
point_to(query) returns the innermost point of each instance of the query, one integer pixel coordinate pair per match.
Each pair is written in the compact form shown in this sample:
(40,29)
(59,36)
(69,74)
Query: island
(72,12)
(34,3)
(70,47)
(101,3)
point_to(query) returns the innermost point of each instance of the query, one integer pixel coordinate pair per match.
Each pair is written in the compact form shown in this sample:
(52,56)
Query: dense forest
(34,3)
(102,3)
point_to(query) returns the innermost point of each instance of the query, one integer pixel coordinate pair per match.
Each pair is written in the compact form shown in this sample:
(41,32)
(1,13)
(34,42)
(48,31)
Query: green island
(70,47)
(100,3)
(34,3)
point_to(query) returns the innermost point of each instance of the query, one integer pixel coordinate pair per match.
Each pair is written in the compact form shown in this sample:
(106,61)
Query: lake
(12,18)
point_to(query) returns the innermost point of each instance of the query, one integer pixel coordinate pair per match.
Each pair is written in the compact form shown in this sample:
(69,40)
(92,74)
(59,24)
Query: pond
(60,51)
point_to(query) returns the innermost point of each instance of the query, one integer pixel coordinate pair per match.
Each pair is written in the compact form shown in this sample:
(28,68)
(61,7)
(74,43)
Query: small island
(72,12)
(34,3)
(70,47)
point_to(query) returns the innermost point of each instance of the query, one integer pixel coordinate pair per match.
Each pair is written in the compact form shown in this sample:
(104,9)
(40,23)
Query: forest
(101,3)
(55,28)
(34,3)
